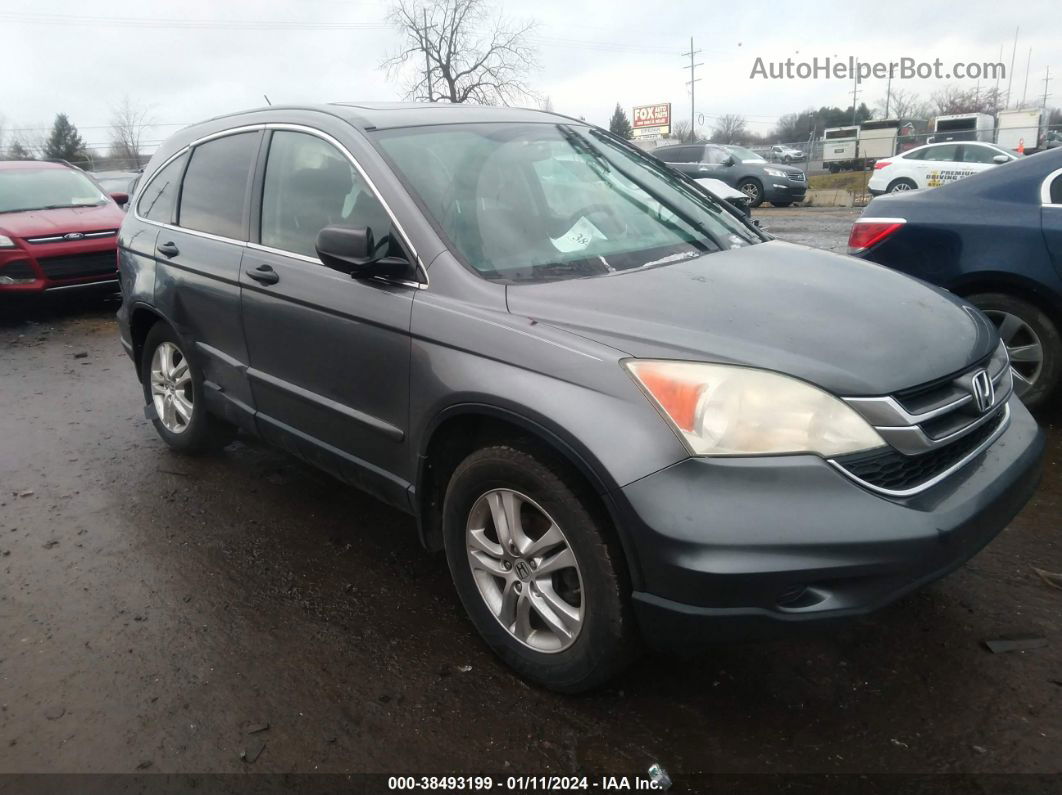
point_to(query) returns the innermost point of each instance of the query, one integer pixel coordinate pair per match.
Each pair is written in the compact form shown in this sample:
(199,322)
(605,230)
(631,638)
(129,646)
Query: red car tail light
(867,232)
(882,164)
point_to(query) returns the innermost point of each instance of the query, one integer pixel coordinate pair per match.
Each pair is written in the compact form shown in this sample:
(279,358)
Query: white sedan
(934,165)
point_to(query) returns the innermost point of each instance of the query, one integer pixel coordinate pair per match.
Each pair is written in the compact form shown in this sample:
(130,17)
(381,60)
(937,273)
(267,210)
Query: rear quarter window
(160,196)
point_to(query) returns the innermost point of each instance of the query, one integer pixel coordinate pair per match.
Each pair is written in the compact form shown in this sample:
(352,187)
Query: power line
(194,24)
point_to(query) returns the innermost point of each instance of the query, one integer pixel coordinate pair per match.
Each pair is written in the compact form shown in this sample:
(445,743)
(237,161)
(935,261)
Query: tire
(1038,384)
(900,185)
(781,204)
(200,432)
(596,587)
(787,159)
(753,189)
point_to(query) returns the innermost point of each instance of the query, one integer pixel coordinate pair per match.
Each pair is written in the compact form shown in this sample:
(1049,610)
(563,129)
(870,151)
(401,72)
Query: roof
(386,115)
(29,165)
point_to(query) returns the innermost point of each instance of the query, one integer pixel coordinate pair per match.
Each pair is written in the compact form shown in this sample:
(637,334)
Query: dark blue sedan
(995,239)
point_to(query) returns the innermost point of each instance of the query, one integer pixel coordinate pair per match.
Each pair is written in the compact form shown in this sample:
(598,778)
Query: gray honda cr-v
(624,412)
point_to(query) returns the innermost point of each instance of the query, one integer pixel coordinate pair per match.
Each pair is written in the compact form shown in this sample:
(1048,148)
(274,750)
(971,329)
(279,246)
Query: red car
(58,228)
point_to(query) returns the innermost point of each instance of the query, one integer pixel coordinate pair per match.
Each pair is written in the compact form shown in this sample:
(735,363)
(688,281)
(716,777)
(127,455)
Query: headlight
(6,242)
(728,410)
(774,172)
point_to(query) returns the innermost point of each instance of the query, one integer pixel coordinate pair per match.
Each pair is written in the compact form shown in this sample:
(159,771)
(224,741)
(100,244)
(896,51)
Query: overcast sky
(196,59)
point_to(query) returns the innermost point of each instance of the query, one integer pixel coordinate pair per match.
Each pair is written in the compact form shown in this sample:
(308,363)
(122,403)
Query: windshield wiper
(68,206)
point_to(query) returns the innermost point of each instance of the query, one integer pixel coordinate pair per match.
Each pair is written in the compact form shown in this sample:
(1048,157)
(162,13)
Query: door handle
(169,249)
(264,274)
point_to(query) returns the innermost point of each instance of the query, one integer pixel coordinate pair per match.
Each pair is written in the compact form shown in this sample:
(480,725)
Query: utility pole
(427,60)
(1025,90)
(693,79)
(888,93)
(995,99)
(1047,79)
(1010,75)
(855,91)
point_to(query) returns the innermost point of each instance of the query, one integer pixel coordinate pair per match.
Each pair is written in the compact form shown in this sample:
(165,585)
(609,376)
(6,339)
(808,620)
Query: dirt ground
(154,610)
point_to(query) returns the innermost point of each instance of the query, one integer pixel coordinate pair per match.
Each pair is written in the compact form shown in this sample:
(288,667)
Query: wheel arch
(459,429)
(142,318)
(1010,284)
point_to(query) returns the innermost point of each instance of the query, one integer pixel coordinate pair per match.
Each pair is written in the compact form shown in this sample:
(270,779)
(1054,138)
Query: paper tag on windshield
(581,235)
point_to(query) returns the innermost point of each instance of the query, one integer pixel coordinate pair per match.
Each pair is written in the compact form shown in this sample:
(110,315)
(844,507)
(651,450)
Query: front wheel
(535,569)
(781,204)
(753,189)
(1033,342)
(901,185)
(173,389)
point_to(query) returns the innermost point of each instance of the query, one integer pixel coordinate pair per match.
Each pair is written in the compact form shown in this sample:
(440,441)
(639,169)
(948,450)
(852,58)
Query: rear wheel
(753,189)
(900,185)
(535,570)
(173,389)
(1033,342)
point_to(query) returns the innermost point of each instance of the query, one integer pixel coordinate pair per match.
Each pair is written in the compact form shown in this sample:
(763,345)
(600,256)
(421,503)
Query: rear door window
(160,196)
(944,152)
(214,193)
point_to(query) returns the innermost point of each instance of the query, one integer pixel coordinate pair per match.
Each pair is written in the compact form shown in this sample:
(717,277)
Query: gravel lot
(154,609)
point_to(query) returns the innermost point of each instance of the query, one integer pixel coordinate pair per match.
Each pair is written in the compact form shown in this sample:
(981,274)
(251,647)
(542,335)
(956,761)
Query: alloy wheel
(751,190)
(899,187)
(525,570)
(171,387)
(1023,346)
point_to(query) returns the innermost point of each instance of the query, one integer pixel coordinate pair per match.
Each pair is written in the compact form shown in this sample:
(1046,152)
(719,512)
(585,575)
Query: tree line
(129,120)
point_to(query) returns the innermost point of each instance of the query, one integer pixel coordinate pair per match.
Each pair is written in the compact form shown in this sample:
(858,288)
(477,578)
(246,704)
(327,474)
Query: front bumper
(745,547)
(36,268)
(779,190)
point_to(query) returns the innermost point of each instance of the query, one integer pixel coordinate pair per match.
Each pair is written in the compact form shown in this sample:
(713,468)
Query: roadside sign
(651,121)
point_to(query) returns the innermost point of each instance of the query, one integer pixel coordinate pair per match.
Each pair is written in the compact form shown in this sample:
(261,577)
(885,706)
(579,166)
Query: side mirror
(729,161)
(353,251)
(121,199)
(1000,159)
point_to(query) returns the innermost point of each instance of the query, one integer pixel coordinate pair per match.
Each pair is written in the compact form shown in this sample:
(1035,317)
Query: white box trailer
(963,127)
(840,148)
(878,138)
(1020,128)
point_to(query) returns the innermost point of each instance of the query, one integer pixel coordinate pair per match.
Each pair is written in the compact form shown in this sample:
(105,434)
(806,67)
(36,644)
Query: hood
(851,327)
(40,223)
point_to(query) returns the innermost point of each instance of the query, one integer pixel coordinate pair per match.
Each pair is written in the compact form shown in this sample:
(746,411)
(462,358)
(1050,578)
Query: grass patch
(852,181)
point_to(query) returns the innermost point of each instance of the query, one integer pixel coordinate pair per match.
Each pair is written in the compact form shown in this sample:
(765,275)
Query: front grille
(101,263)
(893,471)
(19,269)
(797,177)
(933,429)
(73,237)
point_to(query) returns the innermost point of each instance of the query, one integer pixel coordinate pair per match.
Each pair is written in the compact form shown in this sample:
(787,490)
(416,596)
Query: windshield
(530,202)
(745,155)
(46,189)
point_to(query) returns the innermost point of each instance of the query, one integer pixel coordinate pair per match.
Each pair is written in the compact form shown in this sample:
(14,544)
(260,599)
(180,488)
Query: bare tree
(546,104)
(680,130)
(729,129)
(460,54)
(128,122)
(903,105)
(953,99)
